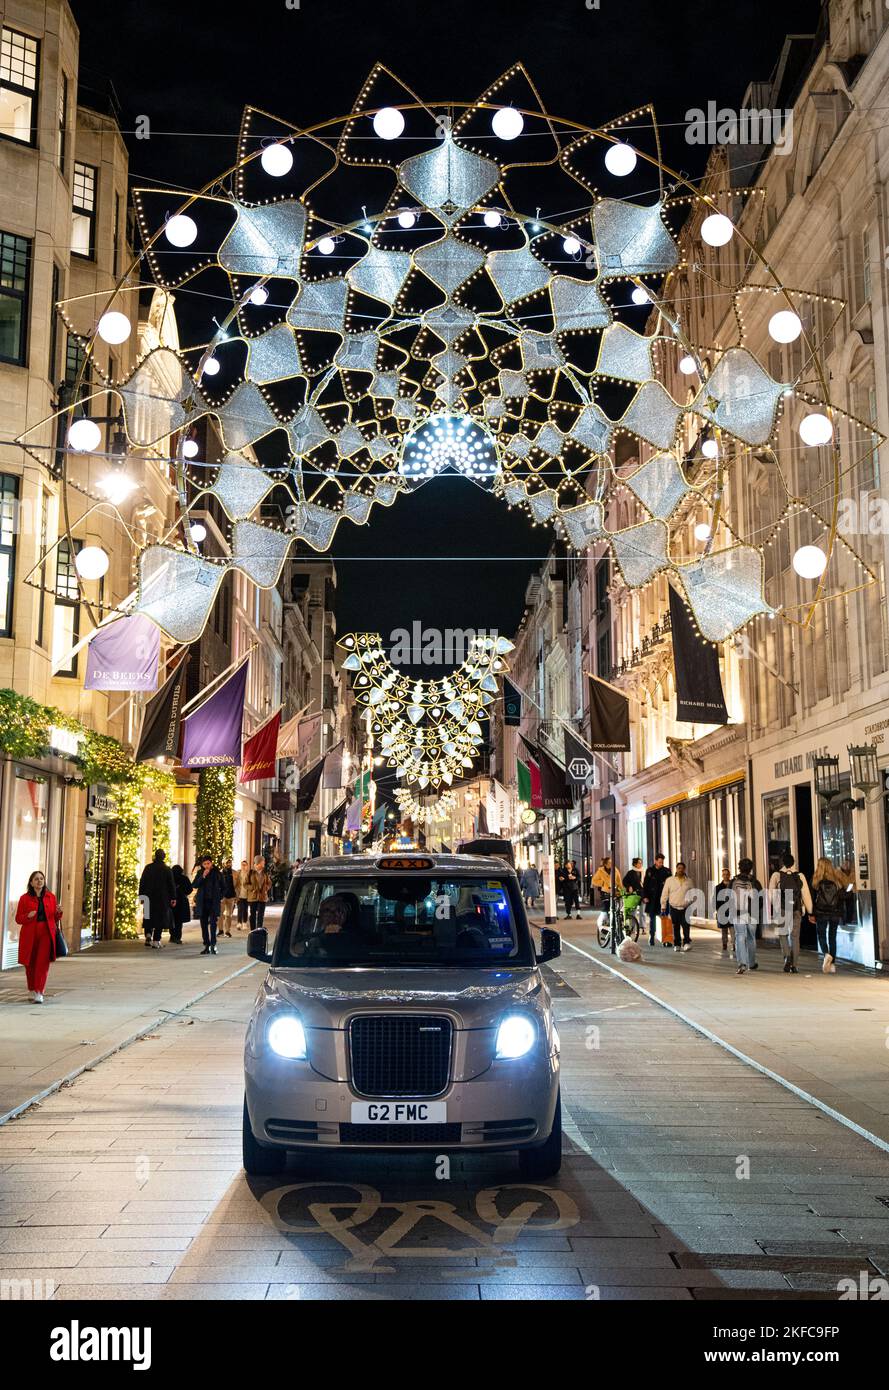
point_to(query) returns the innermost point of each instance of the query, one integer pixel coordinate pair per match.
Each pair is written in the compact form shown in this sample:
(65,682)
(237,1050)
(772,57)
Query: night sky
(192,66)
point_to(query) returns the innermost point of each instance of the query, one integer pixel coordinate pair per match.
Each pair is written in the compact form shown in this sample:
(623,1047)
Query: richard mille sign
(802,762)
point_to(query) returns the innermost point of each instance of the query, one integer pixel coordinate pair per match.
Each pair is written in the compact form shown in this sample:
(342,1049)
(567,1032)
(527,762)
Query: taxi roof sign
(405,861)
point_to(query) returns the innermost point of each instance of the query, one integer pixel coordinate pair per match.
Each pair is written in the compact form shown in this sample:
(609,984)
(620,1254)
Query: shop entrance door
(805,852)
(95,878)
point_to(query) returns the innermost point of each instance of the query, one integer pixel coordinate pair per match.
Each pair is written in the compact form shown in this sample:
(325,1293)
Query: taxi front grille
(400,1054)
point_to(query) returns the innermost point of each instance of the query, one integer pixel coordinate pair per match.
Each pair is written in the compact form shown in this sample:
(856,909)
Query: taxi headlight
(287,1037)
(516,1036)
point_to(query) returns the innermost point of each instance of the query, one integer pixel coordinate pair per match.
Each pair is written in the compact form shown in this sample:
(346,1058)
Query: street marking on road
(736,1052)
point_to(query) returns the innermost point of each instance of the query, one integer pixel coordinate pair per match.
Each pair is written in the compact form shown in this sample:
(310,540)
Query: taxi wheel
(259,1162)
(545,1161)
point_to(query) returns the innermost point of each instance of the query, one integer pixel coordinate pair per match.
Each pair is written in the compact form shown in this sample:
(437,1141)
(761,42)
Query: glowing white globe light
(710,449)
(640,295)
(702,531)
(84,436)
(114,327)
(198,532)
(815,429)
(492,219)
(785,326)
(181,230)
(571,246)
(91,562)
(277,160)
(116,486)
(717,229)
(211,366)
(507,123)
(620,160)
(810,562)
(190,449)
(326,245)
(687,365)
(406,219)
(388,123)
(259,295)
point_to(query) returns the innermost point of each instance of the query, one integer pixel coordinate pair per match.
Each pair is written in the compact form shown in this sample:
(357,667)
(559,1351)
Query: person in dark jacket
(229,898)
(182,909)
(745,914)
(158,893)
(656,876)
(723,897)
(208,903)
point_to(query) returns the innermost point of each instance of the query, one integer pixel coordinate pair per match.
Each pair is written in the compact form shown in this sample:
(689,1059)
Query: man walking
(656,876)
(675,896)
(158,893)
(229,898)
(746,915)
(789,897)
(530,884)
(208,902)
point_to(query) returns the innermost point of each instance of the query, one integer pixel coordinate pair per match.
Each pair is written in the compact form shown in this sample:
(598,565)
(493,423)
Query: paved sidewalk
(98,1001)
(826,1034)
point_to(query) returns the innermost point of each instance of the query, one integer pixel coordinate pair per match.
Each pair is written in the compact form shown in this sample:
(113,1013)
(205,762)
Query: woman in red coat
(37,914)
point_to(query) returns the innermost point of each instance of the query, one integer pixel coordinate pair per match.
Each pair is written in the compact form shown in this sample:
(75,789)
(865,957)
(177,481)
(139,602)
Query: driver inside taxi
(333,915)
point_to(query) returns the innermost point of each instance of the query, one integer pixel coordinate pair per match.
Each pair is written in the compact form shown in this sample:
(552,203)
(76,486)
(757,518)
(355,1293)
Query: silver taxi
(404,1008)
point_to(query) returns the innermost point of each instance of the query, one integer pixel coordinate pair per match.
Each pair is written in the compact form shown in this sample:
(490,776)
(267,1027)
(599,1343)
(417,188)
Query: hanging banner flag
(353,815)
(163,715)
(481,820)
(308,786)
(124,655)
(212,736)
(609,718)
(523,781)
(512,705)
(288,734)
(553,792)
(333,767)
(259,760)
(580,764)
(378,823)
(336,821)
(362,786)
(306,732)
(699,695)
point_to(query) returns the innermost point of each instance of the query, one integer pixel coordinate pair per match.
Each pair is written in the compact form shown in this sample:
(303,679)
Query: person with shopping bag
(675,899)
(40,940)
(656,876)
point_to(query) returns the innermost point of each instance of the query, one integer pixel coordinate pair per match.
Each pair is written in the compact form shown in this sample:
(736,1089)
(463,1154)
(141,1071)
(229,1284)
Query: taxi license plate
(399,1112)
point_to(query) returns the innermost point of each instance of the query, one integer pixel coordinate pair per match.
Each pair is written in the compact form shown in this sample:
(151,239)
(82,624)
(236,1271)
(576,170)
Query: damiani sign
(803,762)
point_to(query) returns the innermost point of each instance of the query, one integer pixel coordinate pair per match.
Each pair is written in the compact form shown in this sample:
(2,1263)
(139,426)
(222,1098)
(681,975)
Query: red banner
(260,755)
(536,786)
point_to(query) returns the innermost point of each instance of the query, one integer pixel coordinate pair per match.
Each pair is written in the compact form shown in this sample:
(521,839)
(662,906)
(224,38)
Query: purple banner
(213,733)
(124,655)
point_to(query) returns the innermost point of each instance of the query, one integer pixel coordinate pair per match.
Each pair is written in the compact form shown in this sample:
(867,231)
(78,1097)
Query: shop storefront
(705,827)
(100,836)
(791,815)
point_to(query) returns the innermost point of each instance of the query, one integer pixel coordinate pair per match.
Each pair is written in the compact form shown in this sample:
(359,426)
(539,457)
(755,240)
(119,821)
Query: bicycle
(624,924)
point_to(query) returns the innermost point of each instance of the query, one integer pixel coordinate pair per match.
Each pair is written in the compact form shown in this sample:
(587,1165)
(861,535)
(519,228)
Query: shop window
(9,492)
(837,838)
(15,276)
(19,63)
(776,825)
(83,227)
(66,621)
(28,847)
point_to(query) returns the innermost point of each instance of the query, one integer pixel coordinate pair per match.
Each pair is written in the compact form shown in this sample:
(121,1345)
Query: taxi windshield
(410,919)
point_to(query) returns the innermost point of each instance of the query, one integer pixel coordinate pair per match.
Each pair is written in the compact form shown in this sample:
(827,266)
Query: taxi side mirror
(258,945)
(550,945)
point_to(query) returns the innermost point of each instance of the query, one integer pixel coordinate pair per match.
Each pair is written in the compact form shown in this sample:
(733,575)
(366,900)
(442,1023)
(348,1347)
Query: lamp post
(864,770)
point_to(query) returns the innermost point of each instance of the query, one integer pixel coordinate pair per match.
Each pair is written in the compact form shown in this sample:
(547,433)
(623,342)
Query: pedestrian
(656,876)
(746,911)
(602,881)
(158,893)
(723,897)
(38,914)
(530,885)
(208,902)
(229,898)
(789,897)
(675,895)
(571,889)
(240,881)
(850,906)
(633,892)
(258,886)
(830,889)
(182,905)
